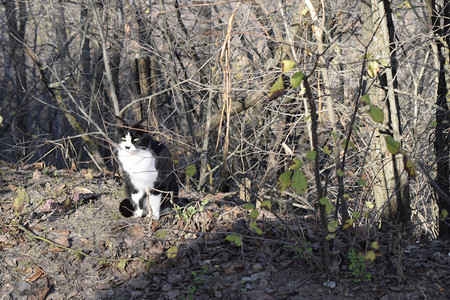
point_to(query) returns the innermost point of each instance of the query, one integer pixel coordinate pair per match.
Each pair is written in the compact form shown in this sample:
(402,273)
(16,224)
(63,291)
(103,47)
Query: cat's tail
(127,208)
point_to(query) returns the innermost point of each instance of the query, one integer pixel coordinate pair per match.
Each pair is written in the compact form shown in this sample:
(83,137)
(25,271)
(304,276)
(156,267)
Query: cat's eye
(135,139)
(124,139)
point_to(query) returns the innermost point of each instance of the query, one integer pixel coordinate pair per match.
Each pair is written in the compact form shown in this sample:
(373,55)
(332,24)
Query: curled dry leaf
(39,273)
(43,292)
(39,165)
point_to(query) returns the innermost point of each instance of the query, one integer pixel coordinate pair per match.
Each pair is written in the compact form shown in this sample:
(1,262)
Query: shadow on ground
(66,241)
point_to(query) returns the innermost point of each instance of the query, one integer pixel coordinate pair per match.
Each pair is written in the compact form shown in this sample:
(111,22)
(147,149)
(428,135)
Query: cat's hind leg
(127,208)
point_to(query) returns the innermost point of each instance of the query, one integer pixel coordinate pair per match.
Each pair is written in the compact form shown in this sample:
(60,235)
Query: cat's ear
(143,125)
(120,121)
(121,125)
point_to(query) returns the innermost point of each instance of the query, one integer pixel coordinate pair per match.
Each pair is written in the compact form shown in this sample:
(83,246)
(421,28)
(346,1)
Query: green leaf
(249,206)
(356,215)
(295,164)
(372,68)
(339,172)
(160,234)
(172,252)
(350,144)
(433,124)
(349,223)
(296,79)
(392,145)
(370,255)
(329,209)
(365,100)
(299,182)
(375,245)
(122,264)
(326,149)
(237,239)
(362,182)
(331,236)
(311,155)
(328,205)
(376,114)
(277,89)
(334,136)
(332,226)
(191,170)
(409,166)
(324,201)
(22,198)
(254,226)
(254,214)
(287,65)
(266,203)
(285,180)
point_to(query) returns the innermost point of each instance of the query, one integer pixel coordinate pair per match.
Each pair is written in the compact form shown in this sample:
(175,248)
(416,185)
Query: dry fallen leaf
(49,205)
(76,196)
(60,231)
(42,292)
(82,190)
(73,166)
(36,175)
(63,241)
(39,273)
(12,187)
(60,187)
(155,226)
(56,249)
(39,165)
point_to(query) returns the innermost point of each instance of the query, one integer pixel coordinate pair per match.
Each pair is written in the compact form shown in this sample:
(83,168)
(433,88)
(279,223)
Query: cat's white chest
(140,166)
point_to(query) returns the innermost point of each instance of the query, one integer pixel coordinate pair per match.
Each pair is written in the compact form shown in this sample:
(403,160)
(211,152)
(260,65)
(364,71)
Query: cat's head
(132,137)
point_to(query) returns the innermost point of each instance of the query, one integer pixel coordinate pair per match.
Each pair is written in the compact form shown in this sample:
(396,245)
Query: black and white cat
(148,171)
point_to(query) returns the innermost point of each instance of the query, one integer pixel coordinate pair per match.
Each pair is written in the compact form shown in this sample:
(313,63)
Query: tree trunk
(16,20)
(391,188)
(442,135)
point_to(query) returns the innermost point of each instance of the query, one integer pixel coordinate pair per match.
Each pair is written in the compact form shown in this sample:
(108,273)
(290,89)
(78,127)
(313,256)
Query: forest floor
(62,237)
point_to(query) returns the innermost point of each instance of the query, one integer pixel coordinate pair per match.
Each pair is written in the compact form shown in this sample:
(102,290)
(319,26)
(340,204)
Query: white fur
(155,204)
(140,166)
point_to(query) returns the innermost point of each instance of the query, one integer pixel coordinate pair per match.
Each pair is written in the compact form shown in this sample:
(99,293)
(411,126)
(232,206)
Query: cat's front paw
(155,215)
(126,208)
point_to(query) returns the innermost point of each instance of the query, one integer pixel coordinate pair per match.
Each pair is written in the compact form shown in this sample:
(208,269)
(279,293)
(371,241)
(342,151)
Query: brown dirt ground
(67,241)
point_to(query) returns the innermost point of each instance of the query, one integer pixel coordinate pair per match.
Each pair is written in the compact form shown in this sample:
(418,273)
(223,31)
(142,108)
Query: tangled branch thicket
(201,72)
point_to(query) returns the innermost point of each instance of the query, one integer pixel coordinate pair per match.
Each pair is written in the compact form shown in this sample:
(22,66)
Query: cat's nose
(127,147)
